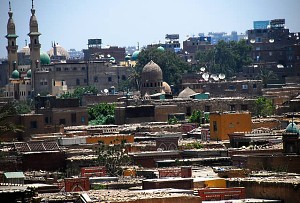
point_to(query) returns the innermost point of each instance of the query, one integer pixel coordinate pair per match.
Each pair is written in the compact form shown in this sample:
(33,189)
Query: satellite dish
(222,76)
(255,66)
(108,55)
(189,60)
(280,66)
(213,75)
(105,91)
(271,40)
(205,76)
(252,41)
(202,69)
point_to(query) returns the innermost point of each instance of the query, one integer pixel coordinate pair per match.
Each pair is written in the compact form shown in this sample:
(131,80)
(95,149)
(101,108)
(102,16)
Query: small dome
(44,58)
(152,71)
(15,74)
(135,55)
(166,88)
(29,73)
(292,128)
(186,93)
(60,51)
(127,57)
(25,50)
(160,48)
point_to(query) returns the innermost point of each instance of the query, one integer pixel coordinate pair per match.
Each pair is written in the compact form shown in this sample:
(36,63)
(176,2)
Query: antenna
(9,6)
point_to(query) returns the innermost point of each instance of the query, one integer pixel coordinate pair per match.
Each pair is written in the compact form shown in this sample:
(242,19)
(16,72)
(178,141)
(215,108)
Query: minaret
(34,46)
(11,47)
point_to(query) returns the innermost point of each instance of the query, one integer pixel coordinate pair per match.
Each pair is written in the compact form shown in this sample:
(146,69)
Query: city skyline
(125,23)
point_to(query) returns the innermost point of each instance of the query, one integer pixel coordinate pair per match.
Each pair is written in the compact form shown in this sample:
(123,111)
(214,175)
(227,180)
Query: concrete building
(275,48)
(222,124)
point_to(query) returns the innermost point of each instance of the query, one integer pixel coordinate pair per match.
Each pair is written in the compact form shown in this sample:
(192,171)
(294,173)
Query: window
(77,81)
(62,121)
(215,127)
(232,107)
(46,120)
(58,69)
(254,86)
(73,117)
(74,68)
(85,80)
(82,68)
(82,119)
(244,87)
(188,111)
(33,124)
(96,79)
(123,77)
(66,69)
(109,79)
(207,108)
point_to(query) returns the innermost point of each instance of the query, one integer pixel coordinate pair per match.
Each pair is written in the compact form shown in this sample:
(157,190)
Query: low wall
(288,192)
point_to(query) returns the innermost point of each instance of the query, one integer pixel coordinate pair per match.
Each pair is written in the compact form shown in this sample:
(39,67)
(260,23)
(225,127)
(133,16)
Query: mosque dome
(58,50)
(135,55)
(186,93)
(152,71)
(160,48)
(292,128)
(44,58)
(29,73)
(112,59)
(15,74)
(166,88)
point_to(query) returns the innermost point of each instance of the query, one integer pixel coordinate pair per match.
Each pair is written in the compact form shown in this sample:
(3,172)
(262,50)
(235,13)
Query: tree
(196,117)
(79,92)
(7,112)
(226,57)
(171,64)
(113,157)
(102,113)
(266,75)
(263,107)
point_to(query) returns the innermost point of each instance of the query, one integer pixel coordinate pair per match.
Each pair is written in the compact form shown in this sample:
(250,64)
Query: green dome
(44,58)
(160,48)
(112,58)
(135,55)
(29,73)
(127,57)
(15,74)
(292,128)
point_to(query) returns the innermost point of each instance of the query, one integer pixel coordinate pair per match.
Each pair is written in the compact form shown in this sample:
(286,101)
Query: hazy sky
(125,22)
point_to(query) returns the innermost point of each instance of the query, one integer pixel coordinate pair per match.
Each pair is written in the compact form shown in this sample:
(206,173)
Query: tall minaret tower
(34,46)
(11,47)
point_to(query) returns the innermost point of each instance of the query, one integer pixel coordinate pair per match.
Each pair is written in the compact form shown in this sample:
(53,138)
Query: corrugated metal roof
(14,175)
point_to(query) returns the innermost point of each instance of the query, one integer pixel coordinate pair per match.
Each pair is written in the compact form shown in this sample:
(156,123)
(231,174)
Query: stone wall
(288,192)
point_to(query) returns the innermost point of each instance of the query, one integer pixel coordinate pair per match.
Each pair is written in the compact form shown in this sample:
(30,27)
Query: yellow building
(222,124)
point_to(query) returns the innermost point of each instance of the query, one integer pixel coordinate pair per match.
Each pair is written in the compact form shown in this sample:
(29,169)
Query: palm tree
(7,112)
(266,75)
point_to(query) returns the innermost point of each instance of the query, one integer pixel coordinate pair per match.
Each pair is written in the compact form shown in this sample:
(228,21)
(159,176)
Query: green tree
(102,113)
(113,157)
(79,92)
(265,76)
(23,107)
(171,64)
(196,117)
(263,107)
(226,57)
(7,112)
